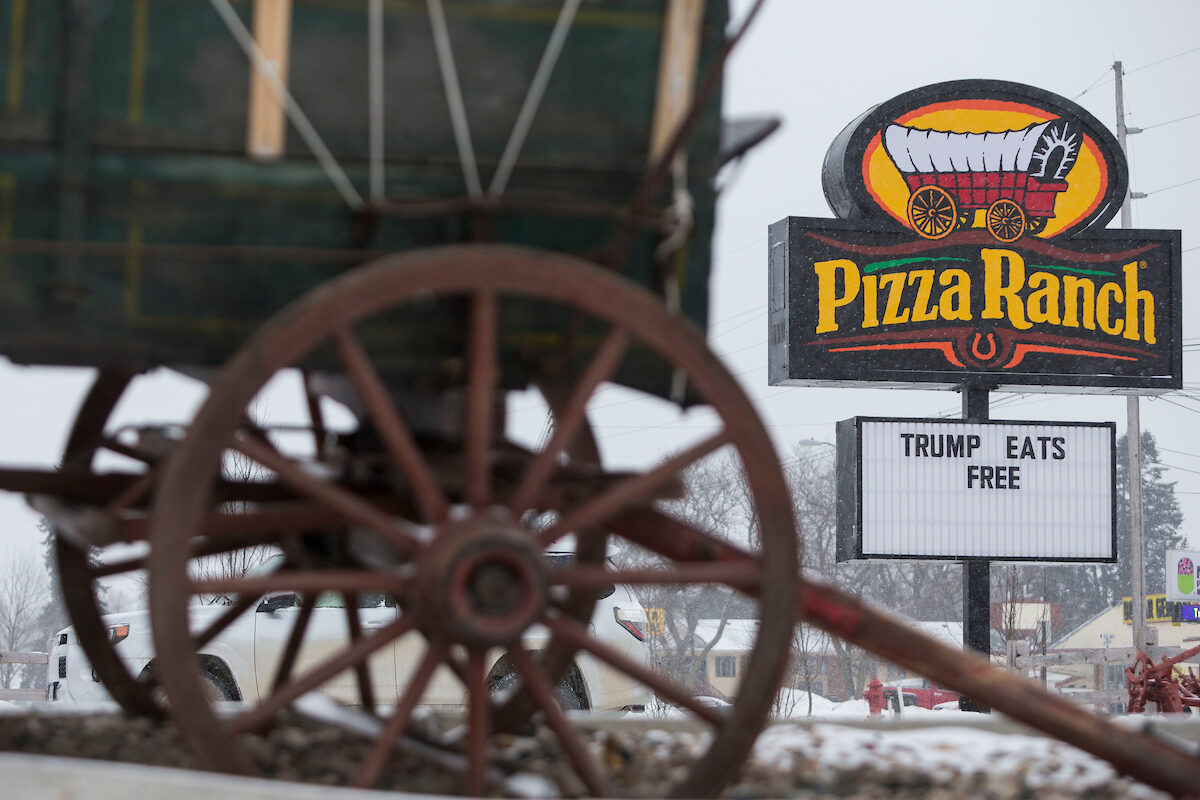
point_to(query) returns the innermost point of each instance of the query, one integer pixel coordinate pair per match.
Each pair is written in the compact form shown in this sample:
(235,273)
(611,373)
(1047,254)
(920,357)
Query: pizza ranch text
(1023,295)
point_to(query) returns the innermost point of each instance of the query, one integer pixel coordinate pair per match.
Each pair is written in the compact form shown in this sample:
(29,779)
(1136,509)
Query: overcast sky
(818,66)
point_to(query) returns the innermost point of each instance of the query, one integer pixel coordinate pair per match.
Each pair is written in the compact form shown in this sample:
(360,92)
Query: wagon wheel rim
(932,212)
(78,575)
(1035,225)
(1005,220)
(483,273)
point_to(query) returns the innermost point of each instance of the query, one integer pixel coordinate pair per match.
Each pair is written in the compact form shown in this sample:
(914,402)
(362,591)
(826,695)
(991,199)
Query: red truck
(915,692)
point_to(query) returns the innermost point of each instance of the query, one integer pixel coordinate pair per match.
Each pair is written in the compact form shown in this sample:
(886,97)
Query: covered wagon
(1014,175)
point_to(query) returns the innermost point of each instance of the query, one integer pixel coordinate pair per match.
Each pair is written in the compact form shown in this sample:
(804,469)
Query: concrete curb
(26,777)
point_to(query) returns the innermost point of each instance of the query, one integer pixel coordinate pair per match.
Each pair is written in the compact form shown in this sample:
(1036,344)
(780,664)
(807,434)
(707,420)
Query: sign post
(977,572)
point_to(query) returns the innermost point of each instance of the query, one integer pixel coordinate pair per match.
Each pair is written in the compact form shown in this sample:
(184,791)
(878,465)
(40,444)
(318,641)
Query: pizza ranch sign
(971,249)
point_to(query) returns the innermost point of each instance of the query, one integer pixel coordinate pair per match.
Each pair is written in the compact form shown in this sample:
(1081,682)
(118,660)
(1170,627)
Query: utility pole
(1133,426)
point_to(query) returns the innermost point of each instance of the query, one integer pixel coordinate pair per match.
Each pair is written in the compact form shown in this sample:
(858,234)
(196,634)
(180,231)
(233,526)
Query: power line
(1108,70)
(1179,452)
(1169,122)
(1173,186)
(1161,61)
(1181,469)
(1180,405)
(1095,83)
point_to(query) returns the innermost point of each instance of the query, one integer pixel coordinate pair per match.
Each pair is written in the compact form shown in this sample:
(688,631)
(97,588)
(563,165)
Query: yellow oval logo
(1006,158)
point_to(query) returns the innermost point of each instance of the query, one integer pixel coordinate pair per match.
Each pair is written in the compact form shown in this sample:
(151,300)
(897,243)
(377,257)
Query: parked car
(241,662)
(926,692)
(712,702)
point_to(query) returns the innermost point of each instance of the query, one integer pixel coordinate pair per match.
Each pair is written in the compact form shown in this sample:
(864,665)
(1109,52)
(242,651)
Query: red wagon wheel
(932,212)
(459,539)
(1006,220)
(79,572)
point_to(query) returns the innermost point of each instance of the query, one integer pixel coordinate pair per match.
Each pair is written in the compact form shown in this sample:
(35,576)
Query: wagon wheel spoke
(222,533)
(479,722)
(482,378)
(77,572)
(284,695)
(362,672)
(932,212)
(283,673)
(577,635)
(93,413)
(227,618)
(122,449)
(261,523)
(632,490)
(678,540)
(569,418)
(400,717)
(397,532)
(299,581)
(1006,220)
(744,576)
(568,736)
(316,418)
(397,438)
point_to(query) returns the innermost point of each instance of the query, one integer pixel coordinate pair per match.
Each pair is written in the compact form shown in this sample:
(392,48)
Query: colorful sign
(935,488)
(656,621)
(1012,159)
(1180,579)
(972,251)
(1160,608)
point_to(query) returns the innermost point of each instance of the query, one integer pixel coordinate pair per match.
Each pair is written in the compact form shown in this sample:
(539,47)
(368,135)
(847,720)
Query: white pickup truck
(241,662)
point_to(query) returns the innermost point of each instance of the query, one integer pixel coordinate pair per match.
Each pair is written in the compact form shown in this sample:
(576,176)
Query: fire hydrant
(874,695)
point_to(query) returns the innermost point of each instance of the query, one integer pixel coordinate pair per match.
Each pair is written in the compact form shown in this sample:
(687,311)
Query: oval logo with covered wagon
(1005,158)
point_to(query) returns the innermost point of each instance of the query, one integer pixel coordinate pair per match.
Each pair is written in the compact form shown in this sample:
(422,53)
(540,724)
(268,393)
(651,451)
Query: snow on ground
(1010,765)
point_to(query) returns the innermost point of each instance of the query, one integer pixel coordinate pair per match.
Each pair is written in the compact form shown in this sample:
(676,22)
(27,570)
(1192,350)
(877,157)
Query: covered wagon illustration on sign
(1014,175)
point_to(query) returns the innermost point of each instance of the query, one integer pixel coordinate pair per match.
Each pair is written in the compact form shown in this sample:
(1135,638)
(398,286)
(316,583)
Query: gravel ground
(825,760)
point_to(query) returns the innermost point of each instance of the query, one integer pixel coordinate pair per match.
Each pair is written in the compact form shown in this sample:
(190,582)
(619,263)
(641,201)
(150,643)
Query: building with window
(1112,628)
(728,649)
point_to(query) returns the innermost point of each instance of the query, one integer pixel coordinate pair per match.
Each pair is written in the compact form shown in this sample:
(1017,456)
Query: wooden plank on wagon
(266,123)
(676,70)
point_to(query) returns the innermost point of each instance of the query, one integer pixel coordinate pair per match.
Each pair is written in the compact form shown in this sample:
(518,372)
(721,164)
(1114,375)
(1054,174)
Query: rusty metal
(401,445)
(570,415)
(1158,683)
(1139,756)
(480,580)
(478,411)
(77,573)
(838,614)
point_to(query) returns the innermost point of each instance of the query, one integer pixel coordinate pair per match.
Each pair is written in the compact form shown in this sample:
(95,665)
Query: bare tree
(1011,592)
(24,591)
(718,500)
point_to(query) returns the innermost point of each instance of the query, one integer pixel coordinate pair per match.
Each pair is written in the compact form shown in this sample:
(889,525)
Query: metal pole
(1133,432)
(977,573)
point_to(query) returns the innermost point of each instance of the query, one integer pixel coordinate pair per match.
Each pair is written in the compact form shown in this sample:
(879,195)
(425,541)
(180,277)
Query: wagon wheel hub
(482,583)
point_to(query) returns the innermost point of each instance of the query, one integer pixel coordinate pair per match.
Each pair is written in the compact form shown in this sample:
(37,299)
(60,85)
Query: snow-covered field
(948,760)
